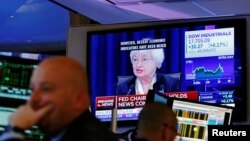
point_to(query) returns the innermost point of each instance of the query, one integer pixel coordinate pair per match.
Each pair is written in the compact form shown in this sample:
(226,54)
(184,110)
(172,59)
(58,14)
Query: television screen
(15,72)
(194,118)
(203,60)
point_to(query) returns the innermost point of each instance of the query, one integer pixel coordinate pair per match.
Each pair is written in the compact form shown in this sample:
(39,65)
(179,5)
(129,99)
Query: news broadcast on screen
(208,65)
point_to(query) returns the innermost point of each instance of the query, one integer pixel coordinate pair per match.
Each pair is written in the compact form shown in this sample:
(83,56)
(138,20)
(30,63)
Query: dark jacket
(84,128)
(163,82)
(88,128)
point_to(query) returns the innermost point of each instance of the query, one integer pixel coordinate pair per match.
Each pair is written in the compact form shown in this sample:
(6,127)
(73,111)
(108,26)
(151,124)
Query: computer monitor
(194,118)
(5,112)
(15,72)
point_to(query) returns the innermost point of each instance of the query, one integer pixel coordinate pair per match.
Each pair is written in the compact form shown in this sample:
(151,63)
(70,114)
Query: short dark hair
(154,115)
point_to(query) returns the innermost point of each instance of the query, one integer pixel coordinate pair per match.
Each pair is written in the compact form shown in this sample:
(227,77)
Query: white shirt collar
(139,88)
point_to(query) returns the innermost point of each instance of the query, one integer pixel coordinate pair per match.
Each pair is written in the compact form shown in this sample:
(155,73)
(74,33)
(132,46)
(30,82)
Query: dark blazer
(163,82)
(84,128)
(88,128)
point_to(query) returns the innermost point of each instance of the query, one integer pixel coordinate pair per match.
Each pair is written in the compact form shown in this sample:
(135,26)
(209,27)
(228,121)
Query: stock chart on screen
(209,56)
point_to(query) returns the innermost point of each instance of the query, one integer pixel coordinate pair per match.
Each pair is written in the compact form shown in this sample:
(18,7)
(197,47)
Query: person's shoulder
(87,127)
(168,77)
(122,80)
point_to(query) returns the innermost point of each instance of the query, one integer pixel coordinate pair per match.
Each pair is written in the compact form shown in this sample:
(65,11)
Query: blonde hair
(157,54)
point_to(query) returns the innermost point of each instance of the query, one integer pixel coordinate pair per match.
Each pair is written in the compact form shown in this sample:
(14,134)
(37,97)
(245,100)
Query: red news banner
(136,101)
(191,95)
(105,102)
(132,101)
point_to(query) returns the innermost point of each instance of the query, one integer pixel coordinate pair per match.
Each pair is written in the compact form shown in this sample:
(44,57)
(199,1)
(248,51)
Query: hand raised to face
(25,116)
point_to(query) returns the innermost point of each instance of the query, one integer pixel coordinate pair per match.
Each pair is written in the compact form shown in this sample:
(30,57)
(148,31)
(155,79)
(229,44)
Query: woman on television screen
(145,65)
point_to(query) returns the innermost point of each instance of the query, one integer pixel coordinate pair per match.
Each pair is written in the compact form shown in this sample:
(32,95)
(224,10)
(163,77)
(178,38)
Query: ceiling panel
(142,11)
(26,24)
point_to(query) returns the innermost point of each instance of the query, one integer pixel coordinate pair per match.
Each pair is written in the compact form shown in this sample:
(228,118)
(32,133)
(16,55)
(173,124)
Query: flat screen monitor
(5,113)
(15,71)
(200,59)
(194,118)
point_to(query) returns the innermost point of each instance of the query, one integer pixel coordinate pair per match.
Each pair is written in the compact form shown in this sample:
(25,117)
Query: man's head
(145,62)
(59,82)
(157,122)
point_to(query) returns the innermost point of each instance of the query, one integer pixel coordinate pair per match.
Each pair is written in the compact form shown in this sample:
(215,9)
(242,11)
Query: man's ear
(80,101)
(164,133)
